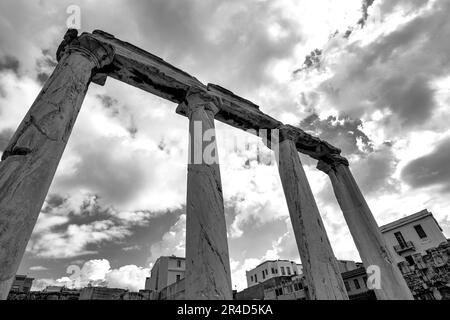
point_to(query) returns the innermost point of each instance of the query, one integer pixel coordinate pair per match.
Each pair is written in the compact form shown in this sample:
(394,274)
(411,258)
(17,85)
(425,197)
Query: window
(347,286)
(288,270)
(365,281)
(256,278)
(356,282)
(251,278)
(178,277)
(179,263)
(279,292)
(420,232)
(410,260)
(282,271)
(264,274)
(298,286)
(401,241)
(273,270)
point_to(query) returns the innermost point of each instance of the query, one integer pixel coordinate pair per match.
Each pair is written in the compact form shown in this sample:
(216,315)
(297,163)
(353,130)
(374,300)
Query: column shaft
(365,232)
(319,263)
(32,156)
(208,275)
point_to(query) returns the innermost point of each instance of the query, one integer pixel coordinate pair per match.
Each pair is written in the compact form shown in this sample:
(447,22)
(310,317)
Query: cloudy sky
(377,86)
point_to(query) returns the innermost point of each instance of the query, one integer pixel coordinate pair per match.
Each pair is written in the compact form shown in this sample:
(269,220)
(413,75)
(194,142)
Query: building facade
(271,269)
(166,271)
(413,234)
(101,293)
(355,282)
(276,288)
(429,276)
(287,289)
(21,284)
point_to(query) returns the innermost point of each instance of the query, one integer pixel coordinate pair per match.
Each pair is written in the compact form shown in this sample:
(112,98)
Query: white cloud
(72,241)
(238,269)
(173,241)
(130,277)
(99,273)
(38,268)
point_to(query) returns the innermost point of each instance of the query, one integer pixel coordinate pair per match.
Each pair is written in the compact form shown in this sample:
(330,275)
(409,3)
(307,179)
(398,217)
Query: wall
(22,284)
(175,291)
(293,289)
(174,270)
(429,225)
(277,265)
(429,276)
(350,277)
(101,293)
(346,265)
(164,273)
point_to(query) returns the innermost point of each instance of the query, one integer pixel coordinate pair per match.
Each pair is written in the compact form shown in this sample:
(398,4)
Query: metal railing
(409,245)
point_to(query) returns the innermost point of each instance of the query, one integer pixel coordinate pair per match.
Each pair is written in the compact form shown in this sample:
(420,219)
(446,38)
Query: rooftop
(353,273)
(284,260)
(405,220)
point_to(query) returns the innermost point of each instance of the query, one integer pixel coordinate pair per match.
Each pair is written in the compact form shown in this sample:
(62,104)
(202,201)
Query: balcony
(409,245)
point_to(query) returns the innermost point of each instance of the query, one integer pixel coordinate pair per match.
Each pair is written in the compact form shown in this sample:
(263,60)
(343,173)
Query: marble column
(365,231)
(319,263)
(32,156)
(208,275)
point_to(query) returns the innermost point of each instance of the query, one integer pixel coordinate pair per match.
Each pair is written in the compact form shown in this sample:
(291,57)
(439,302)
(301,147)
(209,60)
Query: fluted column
(319,263)
(208,275)
(33,154)
(365,231)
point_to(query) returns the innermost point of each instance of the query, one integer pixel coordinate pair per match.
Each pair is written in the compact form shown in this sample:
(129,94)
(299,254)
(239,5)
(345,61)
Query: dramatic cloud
(38,268)
(130,277)
(380,94)
(173,242)
(9,63)
(431,169)
(375,171)
(343,132)
(99,273)
(394,73)
(72,241)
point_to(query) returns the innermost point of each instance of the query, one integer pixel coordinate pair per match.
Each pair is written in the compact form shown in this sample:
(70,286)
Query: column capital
(305,143)
(331,162)
(198,98)
(101,54)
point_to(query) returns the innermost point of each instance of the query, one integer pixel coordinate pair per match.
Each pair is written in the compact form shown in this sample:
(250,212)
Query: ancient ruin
(32,156)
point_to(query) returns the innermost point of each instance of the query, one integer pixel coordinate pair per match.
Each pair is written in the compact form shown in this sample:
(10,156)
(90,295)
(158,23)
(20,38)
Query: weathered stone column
(319,263)
(365,231)
(32,156)
(208,273)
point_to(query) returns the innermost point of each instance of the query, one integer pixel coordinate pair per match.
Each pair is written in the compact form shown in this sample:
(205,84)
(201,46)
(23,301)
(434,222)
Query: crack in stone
(24,151)
(213,249)
(41,131)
